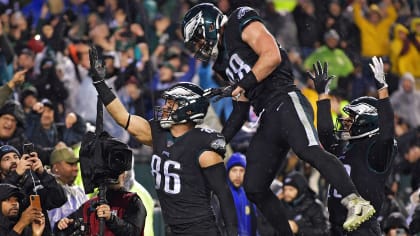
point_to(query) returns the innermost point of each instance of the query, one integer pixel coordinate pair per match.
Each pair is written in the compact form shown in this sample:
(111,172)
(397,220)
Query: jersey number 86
(171,181)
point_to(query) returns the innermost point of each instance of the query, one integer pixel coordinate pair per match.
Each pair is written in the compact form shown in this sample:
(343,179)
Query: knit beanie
(13,108)
(8,149)
(237,159)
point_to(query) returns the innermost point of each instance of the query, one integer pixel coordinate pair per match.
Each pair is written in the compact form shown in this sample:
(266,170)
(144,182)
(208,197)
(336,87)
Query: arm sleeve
(325,126)
(236,119)
(52,195)
(358,17)
(133,220)
(217,180)
(383,151)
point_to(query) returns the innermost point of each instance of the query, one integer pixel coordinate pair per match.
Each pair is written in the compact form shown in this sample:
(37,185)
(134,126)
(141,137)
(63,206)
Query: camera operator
(124,214)
(27,172)
(31,222)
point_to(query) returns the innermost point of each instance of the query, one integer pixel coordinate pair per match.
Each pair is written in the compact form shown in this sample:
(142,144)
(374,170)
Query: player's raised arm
(135,125)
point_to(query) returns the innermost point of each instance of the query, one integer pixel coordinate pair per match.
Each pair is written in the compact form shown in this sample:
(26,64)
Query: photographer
(27,172)
(124,214)
(31,222)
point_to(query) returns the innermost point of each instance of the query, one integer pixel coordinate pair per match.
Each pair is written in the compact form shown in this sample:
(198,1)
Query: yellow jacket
(409,62)
(374,38)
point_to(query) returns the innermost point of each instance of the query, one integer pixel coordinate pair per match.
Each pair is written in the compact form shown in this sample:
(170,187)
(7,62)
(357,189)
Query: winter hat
(47,103)
(13,108)
(8,149)
(237,159)
(296,180)
(28,91)
(8,190)
(395,220)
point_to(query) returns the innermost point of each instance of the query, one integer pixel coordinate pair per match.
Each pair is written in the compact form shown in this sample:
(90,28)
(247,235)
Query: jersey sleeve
(213,141)
(245,15)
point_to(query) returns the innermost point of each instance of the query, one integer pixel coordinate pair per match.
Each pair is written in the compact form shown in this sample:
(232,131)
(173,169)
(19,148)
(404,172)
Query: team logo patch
(243,11)
(218,144)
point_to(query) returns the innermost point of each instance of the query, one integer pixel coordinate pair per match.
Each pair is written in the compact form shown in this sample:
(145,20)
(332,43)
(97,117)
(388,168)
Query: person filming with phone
(31,222)
(27,172)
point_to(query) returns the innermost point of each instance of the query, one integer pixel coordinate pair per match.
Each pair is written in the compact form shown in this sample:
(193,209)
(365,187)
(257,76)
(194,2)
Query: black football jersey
(369,183)
(180,185)
(236,58)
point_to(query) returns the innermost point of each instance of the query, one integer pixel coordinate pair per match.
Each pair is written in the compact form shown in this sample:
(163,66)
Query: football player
(259,71)
(187,161)
(370,146)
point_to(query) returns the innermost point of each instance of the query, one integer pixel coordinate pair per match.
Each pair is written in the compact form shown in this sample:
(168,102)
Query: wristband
(248,82)
(128,122)
(105,93)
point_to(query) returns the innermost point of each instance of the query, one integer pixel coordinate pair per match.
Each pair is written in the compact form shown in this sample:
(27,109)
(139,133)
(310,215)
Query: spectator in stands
(346,29)
(11,125)
(28,98)
(339,62)
(64,166)
(395,225)
(26,61)
(308,27)
(403,52)
(28,173)
(374,29)
(43,131)
(31,222)
(305,212)
(415,214)
(406,101)
(245,210)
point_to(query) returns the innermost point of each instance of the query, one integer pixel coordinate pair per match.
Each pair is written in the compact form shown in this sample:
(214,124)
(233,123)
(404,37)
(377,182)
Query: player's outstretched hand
(321,78)
(377,67)
(97,66)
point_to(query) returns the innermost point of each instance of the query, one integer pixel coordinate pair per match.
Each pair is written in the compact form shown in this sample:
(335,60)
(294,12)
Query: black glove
(219,93)
(97,65)
(321,78)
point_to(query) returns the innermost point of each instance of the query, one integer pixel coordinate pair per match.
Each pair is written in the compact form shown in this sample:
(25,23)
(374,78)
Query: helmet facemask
(342,127)
(362,121)
(164,114)
(203,49)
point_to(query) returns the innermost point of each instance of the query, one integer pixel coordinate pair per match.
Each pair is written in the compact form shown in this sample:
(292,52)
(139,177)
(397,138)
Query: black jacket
(6,228)
(308,213)
(51,193)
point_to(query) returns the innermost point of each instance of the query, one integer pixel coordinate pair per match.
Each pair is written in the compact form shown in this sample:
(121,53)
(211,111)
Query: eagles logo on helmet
(201,30)
(362,120)
(191,105)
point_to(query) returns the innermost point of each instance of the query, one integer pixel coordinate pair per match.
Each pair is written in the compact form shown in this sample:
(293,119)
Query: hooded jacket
(306,210)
